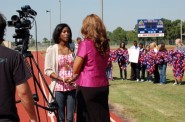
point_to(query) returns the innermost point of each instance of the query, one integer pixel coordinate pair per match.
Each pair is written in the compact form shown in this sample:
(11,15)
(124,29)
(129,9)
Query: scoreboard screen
(150,28)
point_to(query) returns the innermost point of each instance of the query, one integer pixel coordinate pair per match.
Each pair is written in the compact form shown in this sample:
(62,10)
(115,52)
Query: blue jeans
(162,72)
(109,72)
(149,77)
(66,101)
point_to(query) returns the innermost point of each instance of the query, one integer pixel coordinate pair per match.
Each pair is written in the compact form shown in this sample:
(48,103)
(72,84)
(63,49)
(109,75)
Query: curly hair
(58,29)
(93,28)
(2,27)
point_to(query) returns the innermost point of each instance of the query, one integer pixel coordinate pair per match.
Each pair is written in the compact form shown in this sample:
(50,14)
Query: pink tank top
(65,69)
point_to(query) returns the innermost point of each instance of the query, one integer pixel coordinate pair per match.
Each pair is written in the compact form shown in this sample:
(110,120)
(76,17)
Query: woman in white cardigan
(58,66)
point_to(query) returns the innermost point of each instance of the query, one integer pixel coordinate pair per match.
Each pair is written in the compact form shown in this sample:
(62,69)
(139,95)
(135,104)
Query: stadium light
(181,31)
(101,6)
(60,9)
(49,11)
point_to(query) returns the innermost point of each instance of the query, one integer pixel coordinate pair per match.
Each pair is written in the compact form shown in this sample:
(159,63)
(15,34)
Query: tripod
(52,107)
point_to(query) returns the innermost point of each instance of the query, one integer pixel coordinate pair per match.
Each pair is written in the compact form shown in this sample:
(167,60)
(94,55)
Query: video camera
(22,24)
(22,21)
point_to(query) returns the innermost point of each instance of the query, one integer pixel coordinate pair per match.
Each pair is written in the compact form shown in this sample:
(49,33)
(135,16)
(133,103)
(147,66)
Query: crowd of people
(152,60)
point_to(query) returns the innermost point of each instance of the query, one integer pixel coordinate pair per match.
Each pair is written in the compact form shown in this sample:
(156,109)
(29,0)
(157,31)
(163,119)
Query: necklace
(63,49)
(63,52)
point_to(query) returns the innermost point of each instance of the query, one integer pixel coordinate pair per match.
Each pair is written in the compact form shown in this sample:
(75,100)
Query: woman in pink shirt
(58,66)
(90,66)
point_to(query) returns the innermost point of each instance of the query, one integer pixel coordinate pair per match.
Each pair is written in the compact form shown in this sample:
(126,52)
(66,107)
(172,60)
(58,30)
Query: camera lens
(15,18)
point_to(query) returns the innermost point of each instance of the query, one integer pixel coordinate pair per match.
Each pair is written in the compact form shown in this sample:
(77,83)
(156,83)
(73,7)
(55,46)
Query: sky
(116,13)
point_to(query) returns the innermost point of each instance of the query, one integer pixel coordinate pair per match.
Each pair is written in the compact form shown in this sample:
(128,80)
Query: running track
(43,113)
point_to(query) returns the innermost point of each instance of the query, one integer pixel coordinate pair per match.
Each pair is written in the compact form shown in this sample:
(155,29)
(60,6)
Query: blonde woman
(154,50)
(179,45)
(178,70)
(154,47)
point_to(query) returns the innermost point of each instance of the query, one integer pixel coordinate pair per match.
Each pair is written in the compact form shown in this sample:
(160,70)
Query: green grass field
(145,101)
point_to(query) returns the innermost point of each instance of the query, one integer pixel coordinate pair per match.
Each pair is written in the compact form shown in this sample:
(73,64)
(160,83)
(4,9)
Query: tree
(32,42)
(131,35)
(183,27)
(172,29)
(109,35)
(45,40)
(119,35)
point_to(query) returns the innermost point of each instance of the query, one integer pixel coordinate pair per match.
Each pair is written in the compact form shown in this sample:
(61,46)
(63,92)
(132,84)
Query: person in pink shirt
(90,66)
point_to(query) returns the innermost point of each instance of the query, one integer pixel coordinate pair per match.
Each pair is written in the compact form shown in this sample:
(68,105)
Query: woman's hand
(67,80)
(58,78)
(71,80)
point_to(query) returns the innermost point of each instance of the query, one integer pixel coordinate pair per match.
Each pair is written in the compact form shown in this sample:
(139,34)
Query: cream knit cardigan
(51,60)
(51,66)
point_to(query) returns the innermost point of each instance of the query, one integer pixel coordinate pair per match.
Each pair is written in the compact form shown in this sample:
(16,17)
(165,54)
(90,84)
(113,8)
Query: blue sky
(116,13)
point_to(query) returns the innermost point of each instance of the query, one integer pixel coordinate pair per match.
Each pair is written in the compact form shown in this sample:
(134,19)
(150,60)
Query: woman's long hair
(154,45)
(162,47)
(93,28)
(122,46)
(147,50)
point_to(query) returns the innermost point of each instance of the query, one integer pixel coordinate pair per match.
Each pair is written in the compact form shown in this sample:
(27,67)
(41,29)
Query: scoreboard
(150,28)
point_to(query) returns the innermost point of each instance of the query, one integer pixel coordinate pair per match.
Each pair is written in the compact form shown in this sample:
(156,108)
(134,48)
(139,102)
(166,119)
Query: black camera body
(18,22)
(22,24)
(22,21)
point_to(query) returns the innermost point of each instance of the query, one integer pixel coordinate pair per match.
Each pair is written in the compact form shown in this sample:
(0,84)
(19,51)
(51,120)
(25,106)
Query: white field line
(112,120)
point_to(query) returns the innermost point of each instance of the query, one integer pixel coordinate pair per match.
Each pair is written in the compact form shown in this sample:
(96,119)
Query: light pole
(60,9)
(101,6)
(182,33)
(181,29)
(49,11)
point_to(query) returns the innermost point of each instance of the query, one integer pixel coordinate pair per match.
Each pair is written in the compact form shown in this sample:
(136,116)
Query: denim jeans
(149,77)
(162,72)
(66,101)
(109,72)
